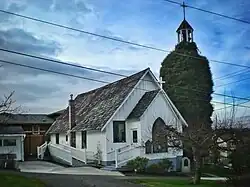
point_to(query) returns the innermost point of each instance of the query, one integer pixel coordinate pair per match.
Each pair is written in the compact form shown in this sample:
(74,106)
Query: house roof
(94,108)
(7,118)
(11,130)
(143,104)
(184,25)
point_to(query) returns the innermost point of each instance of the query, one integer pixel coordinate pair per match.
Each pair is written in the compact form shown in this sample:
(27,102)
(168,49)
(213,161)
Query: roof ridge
(99,88)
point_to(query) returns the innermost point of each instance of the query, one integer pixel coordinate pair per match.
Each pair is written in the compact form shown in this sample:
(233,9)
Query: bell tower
(185,31)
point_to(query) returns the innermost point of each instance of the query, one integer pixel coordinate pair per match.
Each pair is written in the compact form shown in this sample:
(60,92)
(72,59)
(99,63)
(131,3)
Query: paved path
(48,167)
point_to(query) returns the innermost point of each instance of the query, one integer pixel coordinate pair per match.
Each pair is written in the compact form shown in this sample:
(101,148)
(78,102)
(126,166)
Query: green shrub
(166,164)
(160,167)
(155,168)
(139,164)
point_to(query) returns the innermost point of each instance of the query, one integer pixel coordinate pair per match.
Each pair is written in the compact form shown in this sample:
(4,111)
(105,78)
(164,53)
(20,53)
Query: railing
(123,156)
(79,154)
(61,153)
(41,150)
(66,153)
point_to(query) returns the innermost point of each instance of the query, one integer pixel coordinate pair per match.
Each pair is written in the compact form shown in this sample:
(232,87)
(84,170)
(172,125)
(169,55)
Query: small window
(66,138)
(84,140)
(9,142)
(57,138)
(119,131)
(35,129)
(1,143)
(73,139)
(135,139)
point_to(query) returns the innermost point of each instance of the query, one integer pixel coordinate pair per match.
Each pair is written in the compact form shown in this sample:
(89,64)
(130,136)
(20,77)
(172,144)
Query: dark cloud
(12,7)
(20,40)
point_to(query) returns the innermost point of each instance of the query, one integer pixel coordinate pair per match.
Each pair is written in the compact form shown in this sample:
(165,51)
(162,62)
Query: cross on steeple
(185,31)
(184,9)
(161,82)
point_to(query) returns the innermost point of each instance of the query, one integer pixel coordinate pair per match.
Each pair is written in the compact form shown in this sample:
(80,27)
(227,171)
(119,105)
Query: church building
(118,122)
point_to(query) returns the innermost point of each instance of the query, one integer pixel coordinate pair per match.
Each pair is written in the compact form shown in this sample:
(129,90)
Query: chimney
(71,112)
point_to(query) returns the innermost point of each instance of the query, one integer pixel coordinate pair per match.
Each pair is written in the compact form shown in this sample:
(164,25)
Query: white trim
(13,135)
(168,99)
(148,70)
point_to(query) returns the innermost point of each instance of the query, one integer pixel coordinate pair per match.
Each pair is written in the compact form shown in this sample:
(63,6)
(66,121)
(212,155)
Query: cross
(161,82)
(184,9)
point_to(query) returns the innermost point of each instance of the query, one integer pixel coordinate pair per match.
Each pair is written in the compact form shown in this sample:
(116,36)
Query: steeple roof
(184,25)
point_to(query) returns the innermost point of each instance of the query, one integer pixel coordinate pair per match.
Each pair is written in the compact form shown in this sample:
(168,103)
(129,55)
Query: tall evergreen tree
(188,79)
(188,83)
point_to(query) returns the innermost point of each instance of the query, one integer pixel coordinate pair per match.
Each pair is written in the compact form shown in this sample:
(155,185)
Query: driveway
(48,167)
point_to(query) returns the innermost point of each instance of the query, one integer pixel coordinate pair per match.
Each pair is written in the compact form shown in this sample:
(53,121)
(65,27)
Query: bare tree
(7,107)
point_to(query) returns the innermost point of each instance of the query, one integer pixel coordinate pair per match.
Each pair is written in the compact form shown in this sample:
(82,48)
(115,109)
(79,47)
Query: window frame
(133,138)
(73,139)
(84,140)
(116,130)
(12,145)
(57,138)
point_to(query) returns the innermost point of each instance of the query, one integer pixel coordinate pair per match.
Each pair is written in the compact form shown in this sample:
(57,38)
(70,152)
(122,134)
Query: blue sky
(149,22)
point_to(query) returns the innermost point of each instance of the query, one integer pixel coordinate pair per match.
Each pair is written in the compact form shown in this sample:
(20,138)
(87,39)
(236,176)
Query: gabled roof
(184,25)
(11,130)
(94,108)
(7,118)
(143,104)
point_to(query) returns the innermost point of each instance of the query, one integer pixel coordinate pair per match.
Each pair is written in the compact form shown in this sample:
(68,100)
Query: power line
(91,79)
(118,40)
(210,12)
(233,82)
(231,106)
(229,75)
(102,71)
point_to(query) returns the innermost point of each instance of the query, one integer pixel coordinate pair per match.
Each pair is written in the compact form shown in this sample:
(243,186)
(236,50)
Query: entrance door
(30,144)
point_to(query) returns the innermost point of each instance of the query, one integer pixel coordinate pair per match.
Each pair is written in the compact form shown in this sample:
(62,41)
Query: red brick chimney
(72,117)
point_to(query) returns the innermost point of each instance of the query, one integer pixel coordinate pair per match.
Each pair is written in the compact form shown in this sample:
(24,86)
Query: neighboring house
(116,123)
(34,127)
(11,142)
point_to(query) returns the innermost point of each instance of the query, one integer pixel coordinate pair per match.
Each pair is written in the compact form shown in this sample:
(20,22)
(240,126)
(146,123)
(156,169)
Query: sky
(148,22)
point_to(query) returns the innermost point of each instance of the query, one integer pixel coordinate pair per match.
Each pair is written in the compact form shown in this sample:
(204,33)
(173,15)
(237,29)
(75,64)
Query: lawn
(15,180)
(176,183)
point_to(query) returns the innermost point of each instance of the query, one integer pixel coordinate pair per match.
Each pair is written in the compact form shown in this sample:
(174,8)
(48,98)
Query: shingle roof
(11,130)
(7,118)
(143,104)
(184,25)
(94,108)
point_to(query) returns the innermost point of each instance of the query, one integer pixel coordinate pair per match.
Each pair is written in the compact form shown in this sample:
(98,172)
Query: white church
(118,122)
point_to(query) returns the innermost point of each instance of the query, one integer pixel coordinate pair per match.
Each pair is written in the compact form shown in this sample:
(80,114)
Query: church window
(57,138)
(84,139)
(135,138)
(159,136)
(119,131)
(73,139)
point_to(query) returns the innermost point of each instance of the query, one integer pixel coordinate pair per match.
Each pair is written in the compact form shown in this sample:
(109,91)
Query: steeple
(185,31)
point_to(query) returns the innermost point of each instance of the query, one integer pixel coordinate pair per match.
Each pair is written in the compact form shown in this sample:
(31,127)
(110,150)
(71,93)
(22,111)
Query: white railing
(79,154)
(41,150)
(66,153)
(123,156)
(61,153)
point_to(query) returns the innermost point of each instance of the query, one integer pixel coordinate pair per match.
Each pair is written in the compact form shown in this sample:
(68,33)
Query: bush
(160,167)
(139,164)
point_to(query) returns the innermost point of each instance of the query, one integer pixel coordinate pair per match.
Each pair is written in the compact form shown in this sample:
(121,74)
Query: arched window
(159,136)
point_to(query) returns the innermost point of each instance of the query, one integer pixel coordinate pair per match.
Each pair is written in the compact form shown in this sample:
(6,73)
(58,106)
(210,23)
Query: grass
(15,180)
(176,183)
